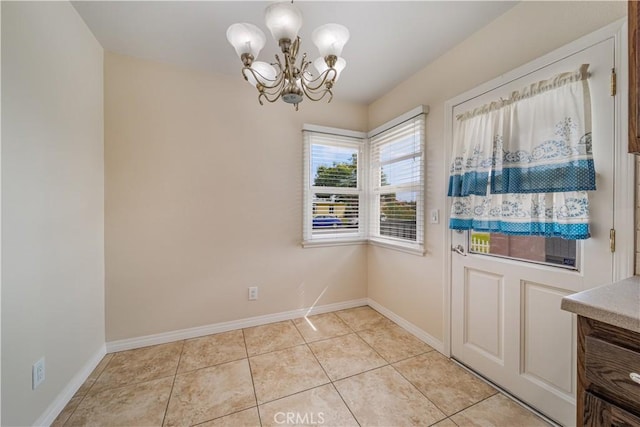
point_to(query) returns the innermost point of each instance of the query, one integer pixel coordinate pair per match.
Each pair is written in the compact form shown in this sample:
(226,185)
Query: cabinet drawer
(608,368)
(600,413)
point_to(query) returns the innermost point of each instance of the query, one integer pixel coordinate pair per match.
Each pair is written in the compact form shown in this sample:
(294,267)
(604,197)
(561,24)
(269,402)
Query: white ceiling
(390,40)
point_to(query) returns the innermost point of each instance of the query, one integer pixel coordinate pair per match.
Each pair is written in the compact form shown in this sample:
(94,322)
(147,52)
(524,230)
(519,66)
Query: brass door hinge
(612,240)
(613,82)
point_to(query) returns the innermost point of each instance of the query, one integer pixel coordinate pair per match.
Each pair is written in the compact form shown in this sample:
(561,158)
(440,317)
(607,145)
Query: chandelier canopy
(284,78)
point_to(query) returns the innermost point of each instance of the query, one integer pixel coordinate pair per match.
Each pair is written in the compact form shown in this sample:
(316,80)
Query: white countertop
(617,304)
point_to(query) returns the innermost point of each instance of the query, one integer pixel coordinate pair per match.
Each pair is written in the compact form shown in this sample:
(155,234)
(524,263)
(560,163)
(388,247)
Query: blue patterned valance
(523,165)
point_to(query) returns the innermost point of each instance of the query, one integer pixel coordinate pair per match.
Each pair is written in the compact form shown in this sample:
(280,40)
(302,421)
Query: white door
(506,321)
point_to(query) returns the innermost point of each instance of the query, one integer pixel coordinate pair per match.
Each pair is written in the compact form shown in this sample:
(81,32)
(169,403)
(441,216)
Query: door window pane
(538,249)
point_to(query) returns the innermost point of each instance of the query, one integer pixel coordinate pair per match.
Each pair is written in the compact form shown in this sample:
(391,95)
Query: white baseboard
(216,328)
(410,327)
(50,414)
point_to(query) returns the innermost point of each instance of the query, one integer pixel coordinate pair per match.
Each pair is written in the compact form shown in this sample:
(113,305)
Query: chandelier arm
(273,93)
(278,62)
(257,76)
(304,63)
(304,73)
(271,96)
(276,89)
(293,52)
(260,78)
(323,79)
(264,95)
(290,71)
(309,94)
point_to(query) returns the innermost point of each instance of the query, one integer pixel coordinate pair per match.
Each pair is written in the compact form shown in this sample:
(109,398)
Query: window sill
(333,242)
(406,248)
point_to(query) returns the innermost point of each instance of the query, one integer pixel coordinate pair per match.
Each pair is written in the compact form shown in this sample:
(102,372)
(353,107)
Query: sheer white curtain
(524,165)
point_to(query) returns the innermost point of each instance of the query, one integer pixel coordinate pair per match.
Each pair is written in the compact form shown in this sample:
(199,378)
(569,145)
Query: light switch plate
(434,217)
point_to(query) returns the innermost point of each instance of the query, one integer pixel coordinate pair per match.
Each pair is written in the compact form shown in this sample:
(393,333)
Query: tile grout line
(411,357)
(209,366)
(294,393)
(357,334)
(420,391)
(449,418)
(86,394)
(324,370)
(132,384)
(253,384)
(225,415)
(323,339)
(344,321)
(332,382)
(345,403)
(116,386)
(371,347)
(363,372)
(72,412)
(427,397)
(279,349)
(394,368)
(223,363)
(173,383)
(330,338)
(505,393)
(499,391)
(472,405)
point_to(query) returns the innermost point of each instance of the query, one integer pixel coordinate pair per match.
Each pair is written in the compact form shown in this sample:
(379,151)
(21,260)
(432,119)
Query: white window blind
(396,183)
(333,186)
(366,188)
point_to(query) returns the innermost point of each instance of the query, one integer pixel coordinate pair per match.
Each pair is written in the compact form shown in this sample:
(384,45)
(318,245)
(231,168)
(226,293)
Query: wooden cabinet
(599,412)
(608,390)
(634,76)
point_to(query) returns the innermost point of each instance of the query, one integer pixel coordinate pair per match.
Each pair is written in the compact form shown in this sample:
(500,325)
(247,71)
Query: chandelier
(287,78)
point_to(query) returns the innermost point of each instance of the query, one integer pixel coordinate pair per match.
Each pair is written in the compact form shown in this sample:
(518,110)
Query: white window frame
(344,138)
(375,190)
(368,212)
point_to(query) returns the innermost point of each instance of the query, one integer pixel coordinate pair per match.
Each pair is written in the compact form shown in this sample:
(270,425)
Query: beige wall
(204,199)
(202,195)
(52,203)
(411,286)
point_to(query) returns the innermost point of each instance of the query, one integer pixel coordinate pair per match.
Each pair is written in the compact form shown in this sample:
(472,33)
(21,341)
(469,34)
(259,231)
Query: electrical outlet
(37,374)
(253,293)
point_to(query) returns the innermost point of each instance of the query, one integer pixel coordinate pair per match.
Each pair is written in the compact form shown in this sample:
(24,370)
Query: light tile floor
(346,368)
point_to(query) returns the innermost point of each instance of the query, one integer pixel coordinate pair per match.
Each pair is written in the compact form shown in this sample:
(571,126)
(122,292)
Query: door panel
(506,321)
(484,320)
(545,355)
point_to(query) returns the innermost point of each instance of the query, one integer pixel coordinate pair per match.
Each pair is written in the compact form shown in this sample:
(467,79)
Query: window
(334,190)
(358,189)
(538,249)
(397,197)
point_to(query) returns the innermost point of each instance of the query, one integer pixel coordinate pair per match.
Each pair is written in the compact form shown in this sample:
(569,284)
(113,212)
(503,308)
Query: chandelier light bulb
(330,39)
(246,38)
(264,73)
(284,20)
